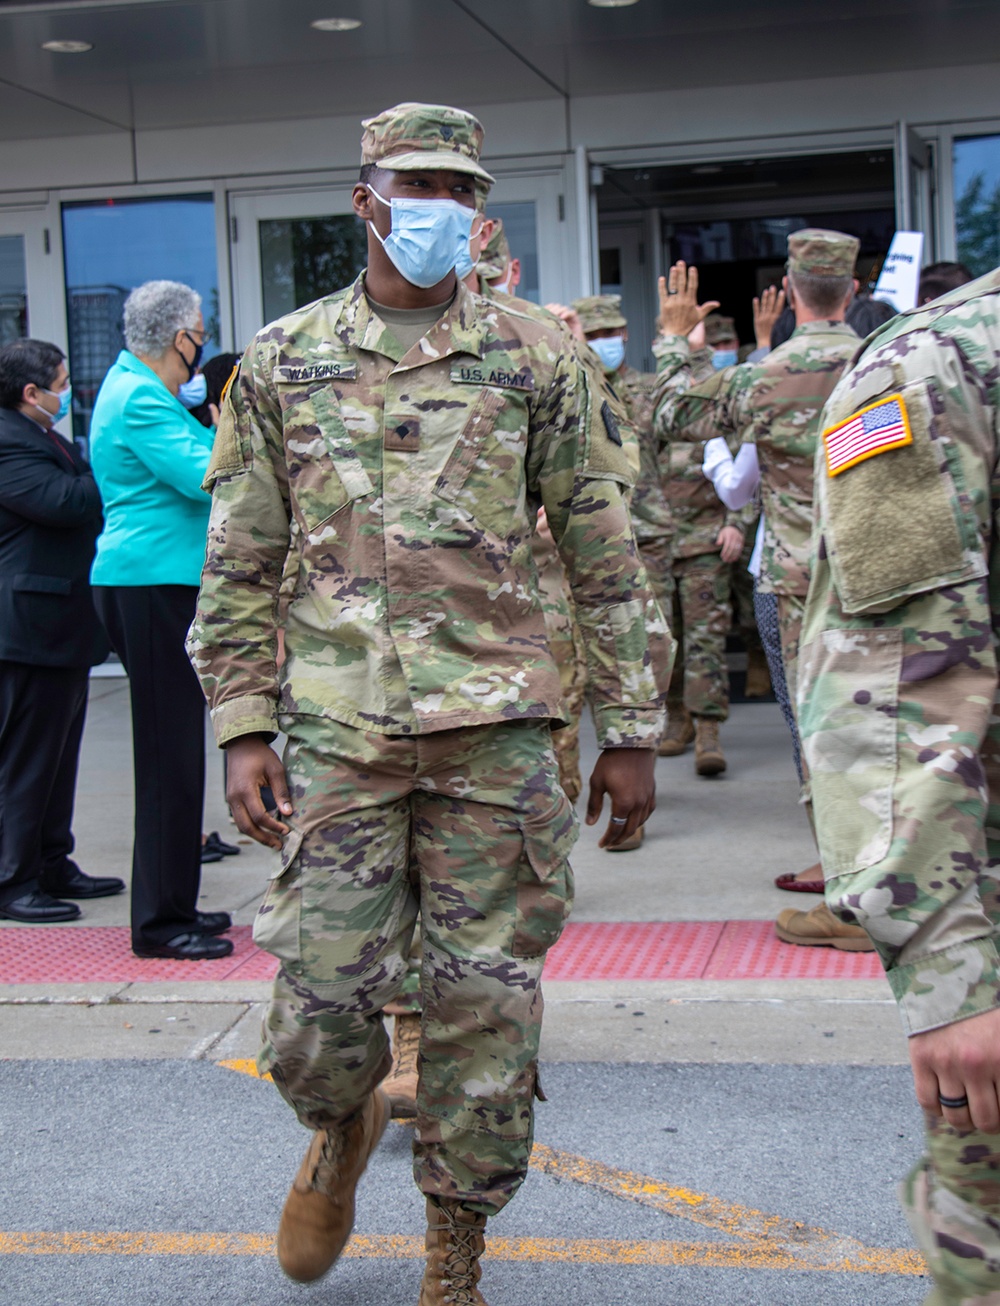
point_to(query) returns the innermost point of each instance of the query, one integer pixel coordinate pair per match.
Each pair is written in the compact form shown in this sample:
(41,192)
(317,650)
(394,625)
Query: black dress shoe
(186,947)
(216,844)
(209,854)
(40,908)
(213,922)
(74,884)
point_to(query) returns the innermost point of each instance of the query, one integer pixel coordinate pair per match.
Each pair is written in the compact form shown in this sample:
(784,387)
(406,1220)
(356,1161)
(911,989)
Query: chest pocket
(325,471)
(484,474)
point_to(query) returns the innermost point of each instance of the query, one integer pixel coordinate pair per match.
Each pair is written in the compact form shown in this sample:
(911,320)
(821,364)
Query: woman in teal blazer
(150,457)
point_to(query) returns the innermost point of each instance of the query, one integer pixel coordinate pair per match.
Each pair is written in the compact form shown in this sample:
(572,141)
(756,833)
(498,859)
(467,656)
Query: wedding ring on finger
(954,1103)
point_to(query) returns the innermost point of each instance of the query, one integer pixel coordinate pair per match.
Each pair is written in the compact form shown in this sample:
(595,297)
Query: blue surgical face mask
(610,350)
(465,265)
(724,358)
(428,239)
(193,393)
(65,398)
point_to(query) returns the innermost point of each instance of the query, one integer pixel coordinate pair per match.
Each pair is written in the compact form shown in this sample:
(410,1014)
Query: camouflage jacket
(776,404)
(898,665)
(650,510)
(696,510)
(389,501)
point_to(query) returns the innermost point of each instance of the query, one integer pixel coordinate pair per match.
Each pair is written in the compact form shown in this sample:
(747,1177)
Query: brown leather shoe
(819,928)
(678,734)
(630,844)
(400,1085)
(709,758)
(319,1210)
(455,1242)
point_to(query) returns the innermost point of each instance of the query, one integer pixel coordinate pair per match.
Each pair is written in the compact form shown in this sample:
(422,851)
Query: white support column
(584,222)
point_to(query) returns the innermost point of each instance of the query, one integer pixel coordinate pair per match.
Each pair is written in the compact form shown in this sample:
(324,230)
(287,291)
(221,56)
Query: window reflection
(303,259)
(110,247)
(977,202)
(13,290)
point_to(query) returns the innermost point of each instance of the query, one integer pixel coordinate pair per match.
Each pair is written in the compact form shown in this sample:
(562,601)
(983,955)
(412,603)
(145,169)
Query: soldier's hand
(626,776)
(680,311)
(252,765)
(766,312)
(730,542)
(571,318)
(956,1061)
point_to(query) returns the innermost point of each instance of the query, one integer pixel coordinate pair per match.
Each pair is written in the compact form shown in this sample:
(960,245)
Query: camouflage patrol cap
(495,258)
(816,252)
(411,137)
(600,313)
(719,328)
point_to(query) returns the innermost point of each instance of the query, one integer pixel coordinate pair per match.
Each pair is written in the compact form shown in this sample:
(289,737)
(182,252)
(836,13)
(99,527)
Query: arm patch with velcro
(897,524)
(228,456)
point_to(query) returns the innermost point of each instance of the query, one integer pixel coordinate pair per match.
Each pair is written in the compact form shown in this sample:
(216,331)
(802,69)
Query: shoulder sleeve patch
(228,458)
(611,424)
(875,429)
(899,524)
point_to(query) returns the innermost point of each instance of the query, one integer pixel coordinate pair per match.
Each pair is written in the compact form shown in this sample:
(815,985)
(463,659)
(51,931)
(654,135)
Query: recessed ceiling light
(335,24)
(612,4)
(67,47)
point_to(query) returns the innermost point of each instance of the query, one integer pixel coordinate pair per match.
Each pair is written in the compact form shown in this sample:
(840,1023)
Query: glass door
(291,247)
(29,277)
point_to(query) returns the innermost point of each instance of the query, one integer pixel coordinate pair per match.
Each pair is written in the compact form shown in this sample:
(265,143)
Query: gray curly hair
(155,312)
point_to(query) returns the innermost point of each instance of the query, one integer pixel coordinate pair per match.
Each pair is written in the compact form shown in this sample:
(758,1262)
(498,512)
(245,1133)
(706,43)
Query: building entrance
(732,219)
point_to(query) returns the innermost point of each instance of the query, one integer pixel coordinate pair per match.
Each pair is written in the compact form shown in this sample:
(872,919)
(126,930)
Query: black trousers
(42,711)
(147,625)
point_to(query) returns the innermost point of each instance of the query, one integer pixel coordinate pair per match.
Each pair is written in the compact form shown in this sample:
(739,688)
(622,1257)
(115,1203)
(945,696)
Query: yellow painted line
(245,1067)
(765,1241)
(386,1247)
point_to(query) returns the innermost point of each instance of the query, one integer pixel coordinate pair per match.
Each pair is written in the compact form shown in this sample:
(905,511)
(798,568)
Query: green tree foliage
(977,225)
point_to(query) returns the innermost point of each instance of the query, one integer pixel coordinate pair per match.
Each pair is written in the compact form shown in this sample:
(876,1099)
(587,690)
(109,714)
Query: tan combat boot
(758,681)
(709,758)
(319,1210)
(678,734)
(400,1084)
(819,928)
(455,1242)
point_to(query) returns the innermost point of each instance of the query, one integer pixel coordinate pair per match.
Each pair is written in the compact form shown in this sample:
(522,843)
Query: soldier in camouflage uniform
(380,460)
(606,331)
(707,540)
(898,708)
(772,410)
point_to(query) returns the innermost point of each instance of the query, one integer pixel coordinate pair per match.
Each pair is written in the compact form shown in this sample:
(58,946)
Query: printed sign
(900,275)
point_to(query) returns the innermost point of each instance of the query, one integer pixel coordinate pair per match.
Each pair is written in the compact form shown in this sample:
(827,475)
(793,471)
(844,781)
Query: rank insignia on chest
(484,374)
(876,429)
(306,372)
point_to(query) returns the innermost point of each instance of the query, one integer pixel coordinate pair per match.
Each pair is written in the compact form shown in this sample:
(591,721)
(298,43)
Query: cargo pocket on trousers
(276,925)
(544,880)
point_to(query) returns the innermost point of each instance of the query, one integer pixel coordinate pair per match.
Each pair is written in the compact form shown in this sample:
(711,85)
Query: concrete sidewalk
(712,850)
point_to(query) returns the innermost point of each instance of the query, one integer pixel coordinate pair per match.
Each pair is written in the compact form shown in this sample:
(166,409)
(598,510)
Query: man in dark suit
(50,636)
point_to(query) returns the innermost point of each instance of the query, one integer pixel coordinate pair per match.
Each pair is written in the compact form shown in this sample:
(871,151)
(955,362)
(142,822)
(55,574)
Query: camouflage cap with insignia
(495,258)
(719,328)
(815,252)
(411,137)
(600,313)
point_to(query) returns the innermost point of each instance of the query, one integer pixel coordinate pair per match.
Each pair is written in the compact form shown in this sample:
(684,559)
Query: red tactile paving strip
(648,950)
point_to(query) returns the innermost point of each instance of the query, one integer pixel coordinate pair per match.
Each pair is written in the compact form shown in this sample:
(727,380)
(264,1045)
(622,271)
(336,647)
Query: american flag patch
(874,429)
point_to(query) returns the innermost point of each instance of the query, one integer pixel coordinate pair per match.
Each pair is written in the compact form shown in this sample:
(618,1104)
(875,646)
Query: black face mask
(198,351)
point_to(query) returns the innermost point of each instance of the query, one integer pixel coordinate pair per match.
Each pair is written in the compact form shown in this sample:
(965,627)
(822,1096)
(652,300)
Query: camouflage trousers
(657,557)
(701,623)
(952,1201)
(470,829)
